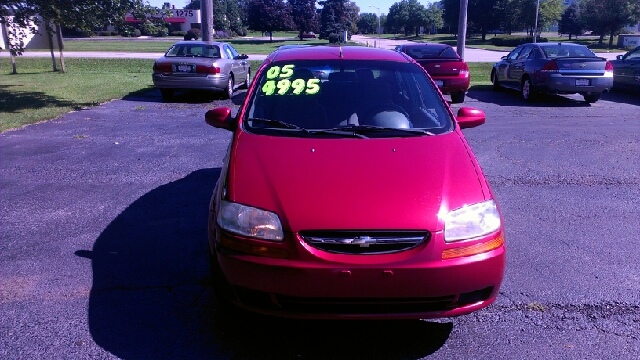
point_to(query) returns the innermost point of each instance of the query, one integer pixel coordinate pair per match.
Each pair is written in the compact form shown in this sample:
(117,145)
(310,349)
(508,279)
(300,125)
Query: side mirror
(241,57)
(619,57)
(504,57)
(470,117)
(221,118)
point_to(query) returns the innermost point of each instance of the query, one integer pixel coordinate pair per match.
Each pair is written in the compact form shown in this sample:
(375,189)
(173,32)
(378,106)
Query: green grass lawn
(37,93)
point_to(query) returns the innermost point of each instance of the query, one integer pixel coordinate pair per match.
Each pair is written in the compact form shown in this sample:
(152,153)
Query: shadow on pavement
(625,97)
(151,296)
(508,97)
(184,97)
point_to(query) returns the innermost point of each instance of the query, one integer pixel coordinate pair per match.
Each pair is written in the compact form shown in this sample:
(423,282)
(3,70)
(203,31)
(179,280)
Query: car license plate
(582,82)
(184,68)
(439,82)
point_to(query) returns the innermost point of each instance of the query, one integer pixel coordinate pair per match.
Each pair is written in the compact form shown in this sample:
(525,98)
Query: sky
(384,5)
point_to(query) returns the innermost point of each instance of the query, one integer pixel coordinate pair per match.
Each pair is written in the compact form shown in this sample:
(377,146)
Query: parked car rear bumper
(556,83)
(452,84)
(216,82)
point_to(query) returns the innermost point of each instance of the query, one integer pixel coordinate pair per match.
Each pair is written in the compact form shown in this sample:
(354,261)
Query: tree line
(330,19)
(600,17)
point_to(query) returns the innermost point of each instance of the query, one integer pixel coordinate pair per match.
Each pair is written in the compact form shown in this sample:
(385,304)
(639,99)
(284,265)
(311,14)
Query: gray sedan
(553,68)
(201,65)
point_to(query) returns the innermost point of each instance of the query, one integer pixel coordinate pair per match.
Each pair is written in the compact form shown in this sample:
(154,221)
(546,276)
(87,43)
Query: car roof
(329,52)
(547,44)
(198,42)
(425,45)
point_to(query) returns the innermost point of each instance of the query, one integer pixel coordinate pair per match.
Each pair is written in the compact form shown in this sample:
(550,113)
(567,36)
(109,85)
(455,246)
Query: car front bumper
(413,284)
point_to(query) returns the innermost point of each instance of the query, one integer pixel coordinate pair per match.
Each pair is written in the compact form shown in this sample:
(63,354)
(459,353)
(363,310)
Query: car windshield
(194,50)
(346,98)
(431,52)
(557,51)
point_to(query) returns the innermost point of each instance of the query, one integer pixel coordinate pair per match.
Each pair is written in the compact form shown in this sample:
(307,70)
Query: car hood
(338,184)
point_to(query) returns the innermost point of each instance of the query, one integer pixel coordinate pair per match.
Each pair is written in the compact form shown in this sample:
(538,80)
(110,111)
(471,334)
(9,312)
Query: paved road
(103,240)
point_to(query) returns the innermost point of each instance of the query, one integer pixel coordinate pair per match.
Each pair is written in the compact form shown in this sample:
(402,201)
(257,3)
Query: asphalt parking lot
(103,252)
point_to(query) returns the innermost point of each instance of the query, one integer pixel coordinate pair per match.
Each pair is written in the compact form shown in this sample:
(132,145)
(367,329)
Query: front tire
(458,97)
(591,98)
(527,91)
(228,91)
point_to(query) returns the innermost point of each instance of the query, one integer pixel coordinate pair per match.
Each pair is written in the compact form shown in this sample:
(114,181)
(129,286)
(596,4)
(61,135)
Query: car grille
(364,242)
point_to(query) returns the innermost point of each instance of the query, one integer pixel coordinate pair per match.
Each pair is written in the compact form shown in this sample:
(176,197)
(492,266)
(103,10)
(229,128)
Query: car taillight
(550,66)
(608,66)
(202,69)
(162,67)
(464,69)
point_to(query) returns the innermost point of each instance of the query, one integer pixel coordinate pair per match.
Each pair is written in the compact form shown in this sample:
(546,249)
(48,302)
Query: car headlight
(249,221)
(471,221)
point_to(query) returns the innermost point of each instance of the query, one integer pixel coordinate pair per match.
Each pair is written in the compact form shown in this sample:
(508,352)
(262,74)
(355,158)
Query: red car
(352,197)
(442,62)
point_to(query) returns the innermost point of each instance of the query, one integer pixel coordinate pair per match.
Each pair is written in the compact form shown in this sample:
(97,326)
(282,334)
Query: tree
(368,23)
(450,14)
(482,16)
(570,22)
(304,15)
(609,16)
(17,20)
(268,16)
(550,13)
(336,17)
(434,17)
(193,5)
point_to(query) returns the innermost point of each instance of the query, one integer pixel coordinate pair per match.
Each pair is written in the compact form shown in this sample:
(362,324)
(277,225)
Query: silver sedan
(201,65)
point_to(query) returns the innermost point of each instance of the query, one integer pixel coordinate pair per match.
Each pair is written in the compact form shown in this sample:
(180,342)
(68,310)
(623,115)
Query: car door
(628,71)
(503,67)
(239,67)
(516,67)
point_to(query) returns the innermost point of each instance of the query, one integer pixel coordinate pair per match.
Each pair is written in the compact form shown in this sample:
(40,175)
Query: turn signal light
(473,249)
(251,249)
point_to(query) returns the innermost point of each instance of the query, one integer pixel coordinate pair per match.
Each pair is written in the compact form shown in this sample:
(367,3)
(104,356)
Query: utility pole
(462,27)
(206,13)
(379,29)
(535,28)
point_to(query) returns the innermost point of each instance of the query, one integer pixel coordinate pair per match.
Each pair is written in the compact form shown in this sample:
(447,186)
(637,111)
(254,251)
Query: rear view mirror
(470,117)
(221,118)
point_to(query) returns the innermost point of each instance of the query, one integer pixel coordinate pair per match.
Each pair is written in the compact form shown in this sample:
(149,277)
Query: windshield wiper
(279,124)
(359,129)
